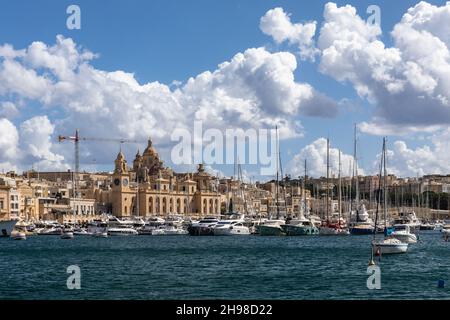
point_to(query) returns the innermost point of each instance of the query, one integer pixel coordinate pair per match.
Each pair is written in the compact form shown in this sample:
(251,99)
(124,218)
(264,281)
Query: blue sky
(174,40)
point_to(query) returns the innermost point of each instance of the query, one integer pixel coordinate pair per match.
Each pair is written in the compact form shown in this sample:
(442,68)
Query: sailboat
(272,227)
(389,245)
(329,227)
(301,225)
(359,223)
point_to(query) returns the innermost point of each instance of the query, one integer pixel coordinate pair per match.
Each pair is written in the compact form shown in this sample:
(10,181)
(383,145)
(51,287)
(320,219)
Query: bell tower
(121,187)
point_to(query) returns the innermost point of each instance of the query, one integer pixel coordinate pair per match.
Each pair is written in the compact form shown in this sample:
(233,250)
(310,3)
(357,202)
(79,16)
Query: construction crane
(76,140)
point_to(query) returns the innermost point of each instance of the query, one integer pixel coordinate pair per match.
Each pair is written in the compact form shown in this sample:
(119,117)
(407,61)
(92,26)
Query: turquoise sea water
(248,267)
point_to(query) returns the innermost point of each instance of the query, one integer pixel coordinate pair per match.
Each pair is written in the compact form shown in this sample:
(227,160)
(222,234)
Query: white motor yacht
(389,246)
(54,231)
(410,219)
(230,228)
(122,231)
(204,227)
(403,233)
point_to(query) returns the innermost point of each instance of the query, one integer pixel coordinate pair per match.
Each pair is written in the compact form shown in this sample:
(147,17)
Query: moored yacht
(230,228)
(122,231)
(204,227)
(403,233)
(299,227)
(408,218)
(360,222)
(333,229)
(270,227)
(389,246)
(6,227)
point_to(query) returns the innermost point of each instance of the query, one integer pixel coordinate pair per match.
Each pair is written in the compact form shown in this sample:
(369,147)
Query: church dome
(150,151)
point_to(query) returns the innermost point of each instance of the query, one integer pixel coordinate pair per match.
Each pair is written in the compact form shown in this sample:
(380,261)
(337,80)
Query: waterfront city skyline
(150,68)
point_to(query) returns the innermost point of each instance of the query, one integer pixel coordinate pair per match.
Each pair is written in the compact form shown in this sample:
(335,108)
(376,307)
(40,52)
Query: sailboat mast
(385,183)
(304,192)
(339,189)
(328,178)
(355,176)
(278,207)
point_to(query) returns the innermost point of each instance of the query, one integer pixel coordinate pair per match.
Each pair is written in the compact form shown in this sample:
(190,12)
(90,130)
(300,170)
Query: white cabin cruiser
(410,219)
(403,233)
(230,228)
(389,246)
(122,231)
(204,227)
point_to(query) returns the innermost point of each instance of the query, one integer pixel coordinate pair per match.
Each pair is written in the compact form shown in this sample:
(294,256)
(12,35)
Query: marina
(248,267)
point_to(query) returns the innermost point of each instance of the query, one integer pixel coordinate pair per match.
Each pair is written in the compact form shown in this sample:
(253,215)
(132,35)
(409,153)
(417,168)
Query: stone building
(150,189)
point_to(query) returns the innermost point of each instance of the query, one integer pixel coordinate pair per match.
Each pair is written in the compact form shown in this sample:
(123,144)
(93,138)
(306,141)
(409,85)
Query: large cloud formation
(408,82)
(62,91)
(277,24)
(315,154)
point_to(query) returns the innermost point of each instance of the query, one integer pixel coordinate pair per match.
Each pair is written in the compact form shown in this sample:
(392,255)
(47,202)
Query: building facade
(150,189)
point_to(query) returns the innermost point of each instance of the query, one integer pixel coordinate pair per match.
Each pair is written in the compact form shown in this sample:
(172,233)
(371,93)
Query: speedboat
(122,231)
(6,227)
(18,235)
(331,229)
(270,227)
(97,227)
(151,225)
(81,232)
(402,232)
(408,218)
(389,246)
(335,227)
(54,231)
(175,231)
(230,228)
(204,227)
(300,227)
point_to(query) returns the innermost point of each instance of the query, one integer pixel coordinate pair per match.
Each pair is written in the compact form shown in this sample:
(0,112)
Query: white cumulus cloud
(315,154)
(277,24)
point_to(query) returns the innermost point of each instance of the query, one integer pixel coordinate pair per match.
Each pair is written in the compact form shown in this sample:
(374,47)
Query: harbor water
(241,267)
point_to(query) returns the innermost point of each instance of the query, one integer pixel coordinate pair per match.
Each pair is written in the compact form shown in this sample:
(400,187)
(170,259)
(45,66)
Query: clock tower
(122,194)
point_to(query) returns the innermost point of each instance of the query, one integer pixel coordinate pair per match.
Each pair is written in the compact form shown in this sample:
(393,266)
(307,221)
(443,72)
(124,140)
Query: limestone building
(150,189)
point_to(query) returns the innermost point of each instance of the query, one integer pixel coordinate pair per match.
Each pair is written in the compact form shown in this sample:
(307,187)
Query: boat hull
(361,231)
(269,230)
(200,231)
(326,231)
(384,248)
(67,235)
(292,230)
(231,231)
(16,235)
(6,227)
(406,238)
